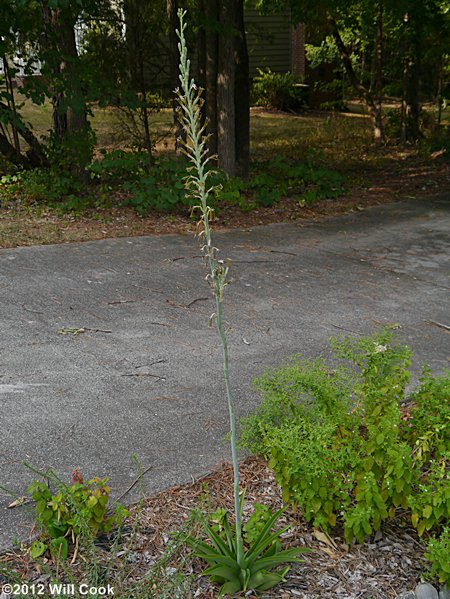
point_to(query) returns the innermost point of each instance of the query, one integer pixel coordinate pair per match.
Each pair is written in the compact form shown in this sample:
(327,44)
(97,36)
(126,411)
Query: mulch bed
(386,565)
(390,563)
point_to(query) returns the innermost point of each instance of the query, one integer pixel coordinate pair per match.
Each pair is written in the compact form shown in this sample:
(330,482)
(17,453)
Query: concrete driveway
(143,373)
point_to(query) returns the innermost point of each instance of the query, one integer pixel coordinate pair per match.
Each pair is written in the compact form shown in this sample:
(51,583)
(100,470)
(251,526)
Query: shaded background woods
(70,69)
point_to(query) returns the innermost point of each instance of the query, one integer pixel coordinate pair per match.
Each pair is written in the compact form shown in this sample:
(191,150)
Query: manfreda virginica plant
(232,564)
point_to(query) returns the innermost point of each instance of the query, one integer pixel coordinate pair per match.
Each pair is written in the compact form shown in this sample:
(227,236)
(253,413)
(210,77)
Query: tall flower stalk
(196,149)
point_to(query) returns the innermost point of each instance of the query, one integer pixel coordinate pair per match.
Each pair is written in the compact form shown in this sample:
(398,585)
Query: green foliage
(437,553)
(262,552)
(429,428)
(277,91)
(305,181)
(39,186)
(301,389)
(118,166)
(162,189)
(336,438)
(430,502)
(74,154)
(74,510)
(160,186)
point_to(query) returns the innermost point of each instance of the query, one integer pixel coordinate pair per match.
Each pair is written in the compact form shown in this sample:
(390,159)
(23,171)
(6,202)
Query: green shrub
(305,181)
(74,154)
(300,389)
(118,166)
(39,186)
(337,441)
(277,91)
(429,428)
(438,552)
(161,189)
(430,500)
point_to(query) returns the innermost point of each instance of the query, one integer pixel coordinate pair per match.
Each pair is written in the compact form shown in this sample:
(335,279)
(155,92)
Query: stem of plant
(196,150)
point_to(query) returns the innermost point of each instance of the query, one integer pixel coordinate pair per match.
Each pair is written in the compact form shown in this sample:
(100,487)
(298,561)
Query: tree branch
(345,57)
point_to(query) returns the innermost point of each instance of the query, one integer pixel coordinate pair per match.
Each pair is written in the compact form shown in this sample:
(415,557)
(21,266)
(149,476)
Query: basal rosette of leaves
(344,445)
(262,551)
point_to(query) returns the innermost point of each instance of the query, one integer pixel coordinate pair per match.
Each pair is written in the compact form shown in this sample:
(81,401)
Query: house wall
(272,43)
(269,41)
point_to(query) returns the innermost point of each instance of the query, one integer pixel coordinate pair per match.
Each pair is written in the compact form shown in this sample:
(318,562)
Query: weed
(76,509)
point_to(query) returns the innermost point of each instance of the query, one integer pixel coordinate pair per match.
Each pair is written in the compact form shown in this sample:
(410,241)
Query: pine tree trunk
(211,67)
(242,97)
(226,136)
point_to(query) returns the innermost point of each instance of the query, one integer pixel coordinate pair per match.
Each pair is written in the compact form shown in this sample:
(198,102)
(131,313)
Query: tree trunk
(404,107)
(132,41)
(77,122)
(63,55)
(174,60)
(364,93)
(35,156)
(242,97)
(411,83)
(11,103)
(211,72)
(226,137)
(9,152)
(438,100)
(144,108)
(378,77)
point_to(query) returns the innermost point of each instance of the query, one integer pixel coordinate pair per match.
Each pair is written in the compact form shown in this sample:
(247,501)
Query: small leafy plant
(64,516)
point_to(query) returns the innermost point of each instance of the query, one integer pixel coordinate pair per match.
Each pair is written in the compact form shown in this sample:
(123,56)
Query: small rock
(426,591)
(407,595)
(378,536)
(444,593)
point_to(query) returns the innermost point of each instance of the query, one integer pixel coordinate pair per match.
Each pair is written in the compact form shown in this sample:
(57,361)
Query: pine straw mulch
(388,564)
